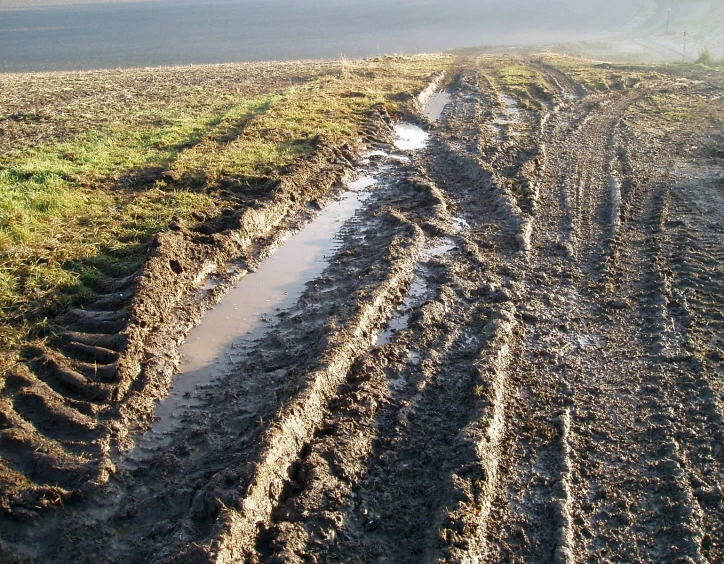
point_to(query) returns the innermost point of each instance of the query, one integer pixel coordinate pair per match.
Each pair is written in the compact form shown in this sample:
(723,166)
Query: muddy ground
(552,264)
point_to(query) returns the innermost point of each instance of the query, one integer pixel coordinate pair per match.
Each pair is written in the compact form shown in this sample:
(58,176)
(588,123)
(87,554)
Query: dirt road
(551,264)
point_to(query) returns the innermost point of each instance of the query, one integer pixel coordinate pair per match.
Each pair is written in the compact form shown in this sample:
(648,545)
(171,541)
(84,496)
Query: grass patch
(520,81)
(515,76)
(671,108)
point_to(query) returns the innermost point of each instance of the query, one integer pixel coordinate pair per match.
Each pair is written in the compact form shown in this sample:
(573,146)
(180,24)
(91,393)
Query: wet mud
(499,340)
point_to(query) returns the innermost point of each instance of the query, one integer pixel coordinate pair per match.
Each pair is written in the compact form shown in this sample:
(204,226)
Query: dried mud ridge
(552,393)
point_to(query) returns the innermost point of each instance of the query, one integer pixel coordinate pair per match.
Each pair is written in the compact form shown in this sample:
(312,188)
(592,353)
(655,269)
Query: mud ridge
(464,528)
(301,417)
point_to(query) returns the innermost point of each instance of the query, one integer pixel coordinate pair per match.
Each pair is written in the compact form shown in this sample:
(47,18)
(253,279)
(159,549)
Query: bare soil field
(513,351)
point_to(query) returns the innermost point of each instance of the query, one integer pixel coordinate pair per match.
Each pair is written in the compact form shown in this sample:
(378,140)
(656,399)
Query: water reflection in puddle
(439,250)
(244,313)
(367,158)
(376,155)
(432,109)
(401,316)
(362,182)
(417,290)
(512,116)
(460,224)
(410,137)
(511,104)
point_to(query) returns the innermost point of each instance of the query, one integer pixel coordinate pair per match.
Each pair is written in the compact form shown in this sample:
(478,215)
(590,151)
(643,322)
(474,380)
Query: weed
(707,60)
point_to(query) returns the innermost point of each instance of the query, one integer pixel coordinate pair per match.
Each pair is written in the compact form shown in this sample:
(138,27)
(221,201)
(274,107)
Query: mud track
(549,387)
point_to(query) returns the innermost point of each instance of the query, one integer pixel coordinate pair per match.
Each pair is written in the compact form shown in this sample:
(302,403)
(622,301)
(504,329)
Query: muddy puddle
(511,104)
(410,137)
(435,104)
(511,117)
(389,357)
(247,313)
(375,156)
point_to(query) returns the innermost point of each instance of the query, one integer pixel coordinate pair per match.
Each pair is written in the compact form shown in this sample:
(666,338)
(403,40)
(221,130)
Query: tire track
(662,421)
(585,488)
(375,513)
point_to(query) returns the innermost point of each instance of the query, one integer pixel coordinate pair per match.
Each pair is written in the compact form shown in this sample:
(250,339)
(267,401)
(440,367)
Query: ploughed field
(513,351)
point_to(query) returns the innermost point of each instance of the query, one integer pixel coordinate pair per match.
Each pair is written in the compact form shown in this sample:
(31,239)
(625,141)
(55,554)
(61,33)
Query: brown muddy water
(410,137)
(432,109)
(246,313)
(416,293)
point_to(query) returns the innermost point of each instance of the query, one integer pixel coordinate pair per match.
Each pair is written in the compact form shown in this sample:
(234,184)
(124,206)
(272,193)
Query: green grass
(516,77)
(81,156)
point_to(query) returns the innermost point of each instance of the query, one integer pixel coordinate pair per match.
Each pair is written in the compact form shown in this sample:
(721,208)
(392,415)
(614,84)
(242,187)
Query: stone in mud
(177,224)
(619,303)
(529,315)
(524,237)
(176,266)
(502,296)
